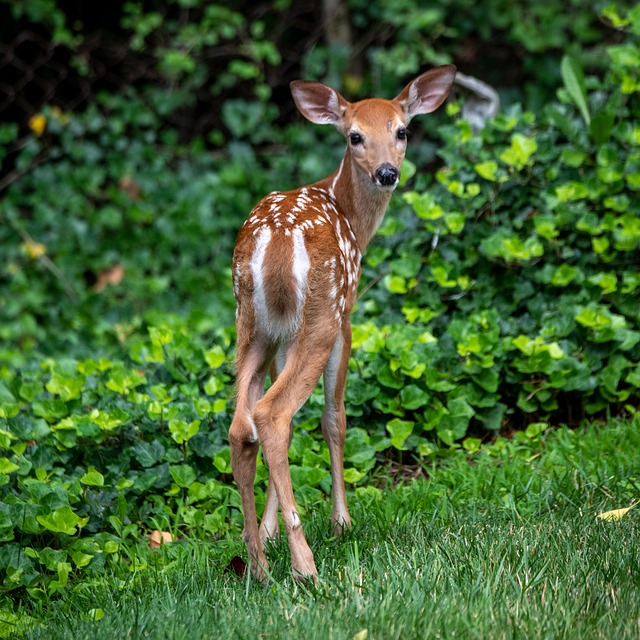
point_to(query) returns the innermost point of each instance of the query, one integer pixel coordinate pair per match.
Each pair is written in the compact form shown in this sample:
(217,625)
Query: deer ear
(427,92)
(318,103)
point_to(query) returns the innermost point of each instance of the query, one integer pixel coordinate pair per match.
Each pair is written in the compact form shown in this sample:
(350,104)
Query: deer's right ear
(427,92)
(318,103)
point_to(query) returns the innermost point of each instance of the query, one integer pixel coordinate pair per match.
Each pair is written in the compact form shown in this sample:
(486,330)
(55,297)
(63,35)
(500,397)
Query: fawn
(296,268)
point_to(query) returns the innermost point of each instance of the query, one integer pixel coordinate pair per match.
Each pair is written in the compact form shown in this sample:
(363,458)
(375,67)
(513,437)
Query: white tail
(296,268)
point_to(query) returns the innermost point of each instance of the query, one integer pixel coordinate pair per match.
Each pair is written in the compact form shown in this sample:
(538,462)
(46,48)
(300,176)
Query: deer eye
(355,138)
(402,134)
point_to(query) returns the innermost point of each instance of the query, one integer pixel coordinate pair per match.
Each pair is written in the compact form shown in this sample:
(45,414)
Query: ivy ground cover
(529,537)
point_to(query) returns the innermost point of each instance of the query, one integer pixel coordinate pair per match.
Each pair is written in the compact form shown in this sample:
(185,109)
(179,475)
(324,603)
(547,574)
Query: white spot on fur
(335,180)
(301,266)
(257,263)
(254,431)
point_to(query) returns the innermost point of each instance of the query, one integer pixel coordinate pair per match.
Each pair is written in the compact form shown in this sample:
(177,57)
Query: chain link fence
(35,71)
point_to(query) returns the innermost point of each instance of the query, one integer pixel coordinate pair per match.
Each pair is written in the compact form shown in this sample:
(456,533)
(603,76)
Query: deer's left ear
(427,92)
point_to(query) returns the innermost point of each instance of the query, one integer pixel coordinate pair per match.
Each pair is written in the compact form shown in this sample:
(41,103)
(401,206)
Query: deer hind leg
(334,424)
(252,363)
(269,527)
(306,358)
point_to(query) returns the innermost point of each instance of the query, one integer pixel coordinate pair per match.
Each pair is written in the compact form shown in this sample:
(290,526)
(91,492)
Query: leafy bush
(513,45)
(517,274)
(109,217)
(187,52)
(100,445)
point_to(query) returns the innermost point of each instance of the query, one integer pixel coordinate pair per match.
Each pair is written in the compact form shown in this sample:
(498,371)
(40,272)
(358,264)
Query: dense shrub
(196,54)
(518,274)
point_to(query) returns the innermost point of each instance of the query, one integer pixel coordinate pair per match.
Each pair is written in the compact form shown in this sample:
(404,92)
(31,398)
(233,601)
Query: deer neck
(358,199)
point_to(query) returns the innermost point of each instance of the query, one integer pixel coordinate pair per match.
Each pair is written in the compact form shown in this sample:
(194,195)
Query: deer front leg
(274,432)
(306,359)
(334,424)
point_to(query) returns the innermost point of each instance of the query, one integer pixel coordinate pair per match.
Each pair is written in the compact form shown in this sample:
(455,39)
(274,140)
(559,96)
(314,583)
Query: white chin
(386,188)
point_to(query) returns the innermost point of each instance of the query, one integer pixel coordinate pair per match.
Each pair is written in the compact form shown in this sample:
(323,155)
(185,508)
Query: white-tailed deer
(296,268)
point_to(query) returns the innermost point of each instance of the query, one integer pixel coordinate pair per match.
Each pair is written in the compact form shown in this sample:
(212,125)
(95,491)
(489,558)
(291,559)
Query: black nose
(387,175)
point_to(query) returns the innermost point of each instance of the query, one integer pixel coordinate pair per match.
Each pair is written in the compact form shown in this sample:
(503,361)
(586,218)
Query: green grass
(503,544)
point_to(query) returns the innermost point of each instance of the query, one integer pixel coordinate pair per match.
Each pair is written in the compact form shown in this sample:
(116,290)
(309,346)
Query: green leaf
(63,570)
(109,420)
(546,227)
(407,266)
(5,395)
(29,390)
(413,397)
(7,466)
(608,282)
(122,381)
(571,191)
(520,151)
(455,221)
(598,317)
(182,474)
(609,377)
(81,559)
(50,410)
(395,284)
(358,448)
(572,157)
(407,172)
(600,245)
(222,460)
(399,430)
(472,444)
(492,417)
(601,127)
(147,454)
(424,205)
(454,423)
(460,408)
(67,387)
(573,79)
(352,475)
(181,431)
(564,275)
(487,170)
(93,478)
(215,357)
(62,520)
(124,483)
(213,385)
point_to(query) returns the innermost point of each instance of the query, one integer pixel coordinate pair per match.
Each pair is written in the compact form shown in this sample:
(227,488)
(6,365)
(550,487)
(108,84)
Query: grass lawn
(501,544)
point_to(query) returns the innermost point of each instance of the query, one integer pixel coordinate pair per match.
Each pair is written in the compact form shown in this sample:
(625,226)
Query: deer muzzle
(386,176)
